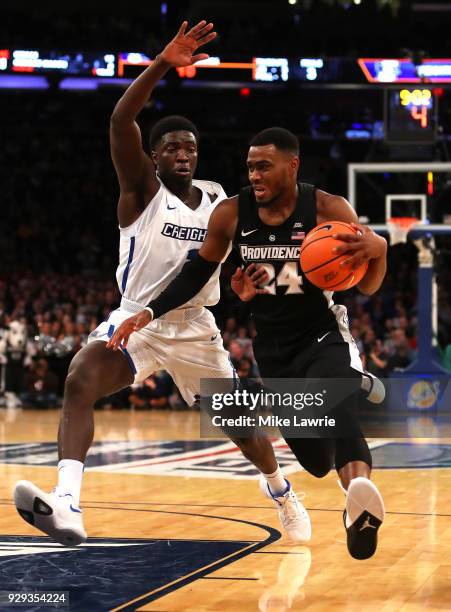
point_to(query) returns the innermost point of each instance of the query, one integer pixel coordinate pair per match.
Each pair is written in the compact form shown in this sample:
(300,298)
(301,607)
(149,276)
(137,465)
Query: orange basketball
(321,265)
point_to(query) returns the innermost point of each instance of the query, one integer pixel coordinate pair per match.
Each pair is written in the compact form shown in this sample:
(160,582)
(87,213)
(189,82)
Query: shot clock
(410,115)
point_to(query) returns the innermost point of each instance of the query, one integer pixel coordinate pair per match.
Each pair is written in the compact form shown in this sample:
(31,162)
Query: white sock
(70,474)
(276,481)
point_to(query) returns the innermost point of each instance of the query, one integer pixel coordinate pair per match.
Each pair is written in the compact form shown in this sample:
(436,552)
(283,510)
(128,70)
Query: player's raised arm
(364,246)
(194,275)
(134,168)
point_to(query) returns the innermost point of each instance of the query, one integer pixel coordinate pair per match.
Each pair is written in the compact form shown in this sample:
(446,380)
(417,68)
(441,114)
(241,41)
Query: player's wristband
(193,276)
(151,312)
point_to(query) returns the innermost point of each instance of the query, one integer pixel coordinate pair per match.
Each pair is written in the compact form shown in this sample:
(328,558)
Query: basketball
(321,265)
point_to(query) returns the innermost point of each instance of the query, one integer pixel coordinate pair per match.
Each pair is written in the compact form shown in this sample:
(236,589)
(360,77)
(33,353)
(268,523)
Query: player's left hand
(126,328)
(248,283)
(361,247)
(181,50)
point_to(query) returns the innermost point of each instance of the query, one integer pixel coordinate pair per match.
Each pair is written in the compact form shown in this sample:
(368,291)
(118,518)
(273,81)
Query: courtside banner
(326,408)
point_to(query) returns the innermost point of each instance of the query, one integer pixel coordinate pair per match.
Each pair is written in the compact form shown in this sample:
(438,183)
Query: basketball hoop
(399,227)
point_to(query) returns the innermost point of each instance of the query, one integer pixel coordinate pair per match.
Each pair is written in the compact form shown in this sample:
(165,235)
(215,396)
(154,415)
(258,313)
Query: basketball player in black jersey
(301,333)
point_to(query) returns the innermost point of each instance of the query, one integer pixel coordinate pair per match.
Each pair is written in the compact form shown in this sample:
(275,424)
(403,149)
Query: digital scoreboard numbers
(270,69)
(410,116)
(32,61)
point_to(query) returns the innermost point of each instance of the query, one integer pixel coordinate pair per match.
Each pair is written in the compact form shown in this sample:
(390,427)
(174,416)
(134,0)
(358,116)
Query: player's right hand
(248,283)
(120,337)
(179,52)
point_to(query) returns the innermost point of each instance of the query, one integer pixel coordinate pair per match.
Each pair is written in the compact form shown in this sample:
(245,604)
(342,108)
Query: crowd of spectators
(60,242)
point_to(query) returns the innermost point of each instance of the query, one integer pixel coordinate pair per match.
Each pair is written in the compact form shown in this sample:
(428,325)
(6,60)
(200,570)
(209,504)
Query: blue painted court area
(192,458)
(105,573)
(212,458)
(103,453)
(411,456)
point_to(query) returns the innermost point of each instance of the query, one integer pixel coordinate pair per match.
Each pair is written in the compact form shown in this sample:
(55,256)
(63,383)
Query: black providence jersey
(294,306)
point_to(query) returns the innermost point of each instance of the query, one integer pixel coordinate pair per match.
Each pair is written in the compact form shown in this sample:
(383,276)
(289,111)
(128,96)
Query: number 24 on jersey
(288,277)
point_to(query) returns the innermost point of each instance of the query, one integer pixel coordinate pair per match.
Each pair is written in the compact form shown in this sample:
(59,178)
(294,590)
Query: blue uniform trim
(126,353)
(129,359)
(127,267)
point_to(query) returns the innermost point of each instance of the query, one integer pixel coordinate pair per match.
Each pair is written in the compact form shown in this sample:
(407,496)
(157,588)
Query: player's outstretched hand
(361,247)
(127,327)
(247,284)
(180,51)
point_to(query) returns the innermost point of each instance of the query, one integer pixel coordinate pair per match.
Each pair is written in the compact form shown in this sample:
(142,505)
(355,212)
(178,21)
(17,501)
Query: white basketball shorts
(186,343)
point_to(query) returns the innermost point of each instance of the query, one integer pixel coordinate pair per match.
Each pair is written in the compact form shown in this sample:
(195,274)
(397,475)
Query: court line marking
(275,552)
(224,578)
(146,598)
(97,540)
(271,509)
(393,512)
(184,580)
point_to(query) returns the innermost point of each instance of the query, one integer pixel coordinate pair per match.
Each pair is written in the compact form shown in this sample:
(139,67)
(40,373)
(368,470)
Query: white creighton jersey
(157,245)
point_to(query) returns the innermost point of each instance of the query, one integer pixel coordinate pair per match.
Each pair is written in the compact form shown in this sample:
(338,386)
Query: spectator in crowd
(244,369)
(154,392)
(400,355)
(41,386)
(376,359)
(236,353)
(244,341)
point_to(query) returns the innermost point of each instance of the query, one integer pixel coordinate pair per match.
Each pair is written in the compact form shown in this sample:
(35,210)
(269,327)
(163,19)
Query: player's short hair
(282,139)
(173,123)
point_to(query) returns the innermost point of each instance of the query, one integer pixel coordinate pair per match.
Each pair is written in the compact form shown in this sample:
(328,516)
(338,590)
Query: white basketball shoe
(362,517)
(292,514)
(52,513)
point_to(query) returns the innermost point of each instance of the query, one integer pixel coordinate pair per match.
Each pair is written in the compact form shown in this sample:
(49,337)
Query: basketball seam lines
(324,263)
(306,244)
(340,282)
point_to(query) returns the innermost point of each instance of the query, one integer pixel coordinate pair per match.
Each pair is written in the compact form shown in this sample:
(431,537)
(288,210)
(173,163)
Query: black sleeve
(193,276)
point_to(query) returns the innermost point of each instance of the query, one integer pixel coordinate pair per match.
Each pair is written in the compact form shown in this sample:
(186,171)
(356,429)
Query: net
(399,227)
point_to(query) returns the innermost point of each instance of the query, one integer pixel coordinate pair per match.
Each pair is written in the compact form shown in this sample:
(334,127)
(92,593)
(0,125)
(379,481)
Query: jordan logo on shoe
(367,524)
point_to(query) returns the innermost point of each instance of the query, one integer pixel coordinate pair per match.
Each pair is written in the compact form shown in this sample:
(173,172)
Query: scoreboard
(410,102)
(410,116)
(79,63)
(303,70)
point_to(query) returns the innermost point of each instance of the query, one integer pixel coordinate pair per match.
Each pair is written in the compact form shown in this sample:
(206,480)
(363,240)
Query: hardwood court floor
(213,543)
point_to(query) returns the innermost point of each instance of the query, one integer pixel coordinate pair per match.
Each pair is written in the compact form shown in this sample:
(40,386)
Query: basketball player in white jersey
(163,216)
